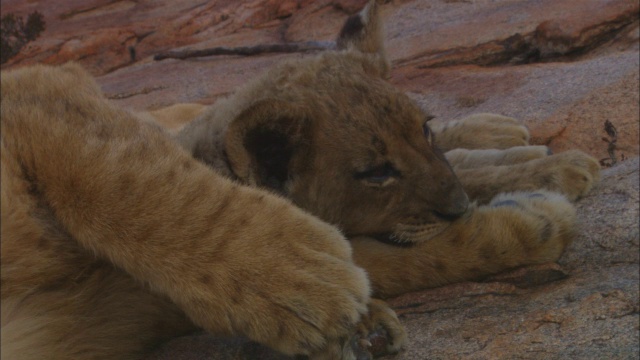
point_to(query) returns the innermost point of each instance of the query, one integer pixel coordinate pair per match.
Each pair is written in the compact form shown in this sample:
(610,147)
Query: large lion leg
(59,301)
(126,194)
(104,315)
(513,230)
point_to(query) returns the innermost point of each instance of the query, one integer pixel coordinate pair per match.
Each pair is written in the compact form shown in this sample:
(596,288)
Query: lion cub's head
(332,135)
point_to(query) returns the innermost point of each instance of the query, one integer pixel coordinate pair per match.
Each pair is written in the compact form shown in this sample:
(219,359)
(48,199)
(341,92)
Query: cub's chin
(408,235)
(413,230)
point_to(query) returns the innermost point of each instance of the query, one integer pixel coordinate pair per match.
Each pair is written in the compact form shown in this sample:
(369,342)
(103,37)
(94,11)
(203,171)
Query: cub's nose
(456,206)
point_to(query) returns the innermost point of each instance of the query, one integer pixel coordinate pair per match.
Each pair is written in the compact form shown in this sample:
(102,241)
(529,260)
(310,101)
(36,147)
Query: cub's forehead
(346,101)
(378,110)
(374,129)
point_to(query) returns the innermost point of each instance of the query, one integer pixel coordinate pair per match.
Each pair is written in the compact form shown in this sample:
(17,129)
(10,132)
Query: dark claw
(360,348)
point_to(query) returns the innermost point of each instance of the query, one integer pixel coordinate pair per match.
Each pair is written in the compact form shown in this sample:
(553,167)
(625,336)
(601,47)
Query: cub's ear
(263,142)
(364,32)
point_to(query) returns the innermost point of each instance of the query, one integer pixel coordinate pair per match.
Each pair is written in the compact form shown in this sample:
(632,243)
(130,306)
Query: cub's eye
(378,175)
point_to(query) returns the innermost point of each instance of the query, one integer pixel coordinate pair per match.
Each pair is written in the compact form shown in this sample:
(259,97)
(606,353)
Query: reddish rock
(564,103)
(349,6)
(287,8)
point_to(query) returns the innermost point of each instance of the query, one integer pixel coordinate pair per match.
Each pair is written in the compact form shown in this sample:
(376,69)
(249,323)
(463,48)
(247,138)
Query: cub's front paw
(572,173)
(382,329)
(379,333)
(542,222)
(481,131)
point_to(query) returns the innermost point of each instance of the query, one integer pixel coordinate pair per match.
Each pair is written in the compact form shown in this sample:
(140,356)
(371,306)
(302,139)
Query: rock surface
(562,66)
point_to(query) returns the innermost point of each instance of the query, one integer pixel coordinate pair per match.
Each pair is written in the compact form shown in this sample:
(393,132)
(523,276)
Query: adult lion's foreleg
(513,230)
(235,260)
(102,314)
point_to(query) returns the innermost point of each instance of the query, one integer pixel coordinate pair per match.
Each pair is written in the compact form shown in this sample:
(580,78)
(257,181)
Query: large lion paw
(293,287)
(542,222)
(378,334)
(481,131)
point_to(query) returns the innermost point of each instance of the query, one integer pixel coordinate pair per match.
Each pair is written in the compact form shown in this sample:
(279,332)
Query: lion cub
(329,133)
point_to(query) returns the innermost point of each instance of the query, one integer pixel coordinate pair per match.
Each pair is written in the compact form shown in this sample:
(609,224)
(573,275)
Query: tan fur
(473,159)
(175,117)
(111,234)
(481,131)
(114,238)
